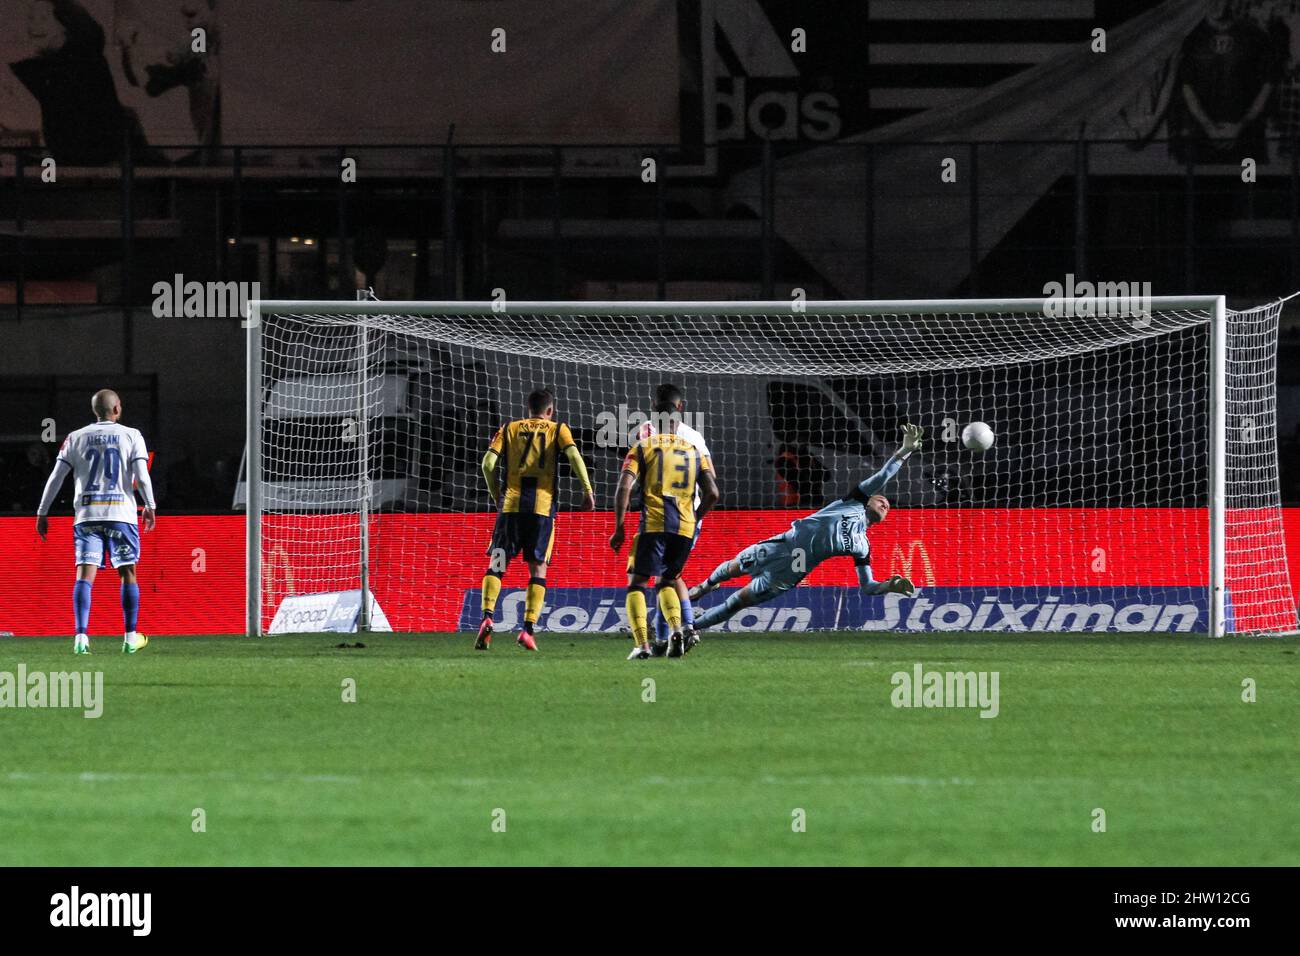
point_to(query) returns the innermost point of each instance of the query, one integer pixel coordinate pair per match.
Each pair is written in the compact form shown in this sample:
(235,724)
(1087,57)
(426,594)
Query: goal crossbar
(1122,305)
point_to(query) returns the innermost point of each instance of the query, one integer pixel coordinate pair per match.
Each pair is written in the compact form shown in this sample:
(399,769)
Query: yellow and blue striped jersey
(530,450)
(668,467)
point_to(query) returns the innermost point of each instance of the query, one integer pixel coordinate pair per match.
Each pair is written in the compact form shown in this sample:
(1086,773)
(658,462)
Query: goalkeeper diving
(838,530)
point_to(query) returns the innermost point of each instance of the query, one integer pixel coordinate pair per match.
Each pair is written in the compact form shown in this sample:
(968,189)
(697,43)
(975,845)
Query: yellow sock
(491,589)
(534,599)
(636,616)
(670,606)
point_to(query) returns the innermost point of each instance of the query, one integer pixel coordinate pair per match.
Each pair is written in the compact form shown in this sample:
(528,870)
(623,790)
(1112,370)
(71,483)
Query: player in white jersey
(669,400)
(106,459)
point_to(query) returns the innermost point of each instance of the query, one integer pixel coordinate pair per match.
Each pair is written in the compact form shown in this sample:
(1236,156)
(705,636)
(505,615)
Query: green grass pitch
(741,734)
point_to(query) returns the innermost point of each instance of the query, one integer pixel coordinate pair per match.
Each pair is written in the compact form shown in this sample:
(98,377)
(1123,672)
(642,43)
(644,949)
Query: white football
(977,436)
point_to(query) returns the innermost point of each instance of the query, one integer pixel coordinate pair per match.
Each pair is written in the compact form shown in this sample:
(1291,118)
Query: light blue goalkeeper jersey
(840,529)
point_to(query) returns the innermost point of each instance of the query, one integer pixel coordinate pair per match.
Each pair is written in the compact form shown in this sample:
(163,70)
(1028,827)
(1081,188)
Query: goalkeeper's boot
(699,591)
(484,635)
(676,646)
(690,637)
(81,644)
(526,640)
(641,652)
(134,642)
(658,648)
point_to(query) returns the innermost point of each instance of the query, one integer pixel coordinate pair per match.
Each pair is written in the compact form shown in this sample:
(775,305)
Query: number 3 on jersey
(683,464)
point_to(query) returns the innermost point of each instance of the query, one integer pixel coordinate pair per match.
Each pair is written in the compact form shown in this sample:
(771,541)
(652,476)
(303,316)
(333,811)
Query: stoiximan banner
(1008,610)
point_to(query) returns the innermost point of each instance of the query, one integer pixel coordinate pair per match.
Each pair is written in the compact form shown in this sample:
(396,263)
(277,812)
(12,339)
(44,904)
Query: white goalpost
(1133,485)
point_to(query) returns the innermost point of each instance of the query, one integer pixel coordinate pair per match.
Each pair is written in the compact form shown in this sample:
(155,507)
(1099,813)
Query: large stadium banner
(192,574)
(1126,87)
(1006,610)
(81,76)
(310,72)
(503,71)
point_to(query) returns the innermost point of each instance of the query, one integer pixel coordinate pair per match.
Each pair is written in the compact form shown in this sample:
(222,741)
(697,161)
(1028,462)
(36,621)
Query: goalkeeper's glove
(899,585)
(912,438)
(911,441)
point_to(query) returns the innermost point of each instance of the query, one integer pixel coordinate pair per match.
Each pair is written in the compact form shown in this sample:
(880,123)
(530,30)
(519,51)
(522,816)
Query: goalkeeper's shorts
(516,532)
(773,566)
(661,554)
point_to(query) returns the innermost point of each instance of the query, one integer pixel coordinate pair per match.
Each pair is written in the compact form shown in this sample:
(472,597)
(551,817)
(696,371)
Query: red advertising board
(192,570)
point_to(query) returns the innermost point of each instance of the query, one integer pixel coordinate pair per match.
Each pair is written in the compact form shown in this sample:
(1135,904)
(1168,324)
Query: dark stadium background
(224,167)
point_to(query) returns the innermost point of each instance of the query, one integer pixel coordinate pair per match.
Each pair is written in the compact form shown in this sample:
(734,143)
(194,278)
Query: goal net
(1133,485)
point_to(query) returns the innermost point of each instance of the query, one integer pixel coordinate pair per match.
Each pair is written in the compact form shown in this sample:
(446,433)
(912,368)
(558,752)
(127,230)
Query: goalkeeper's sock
(670,607)
(720,612)
(130,607)
(661,627)
(533,602)
(636,615)
(81,606)
(688,611)
(491,590)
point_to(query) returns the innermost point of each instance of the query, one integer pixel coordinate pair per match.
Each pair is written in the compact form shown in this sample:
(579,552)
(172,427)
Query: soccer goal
(1133,485)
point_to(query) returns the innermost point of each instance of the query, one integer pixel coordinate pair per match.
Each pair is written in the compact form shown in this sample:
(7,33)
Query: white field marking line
(907,663)
(113,777)
(91,776)
(907,781)
(818,781)
(891,780)
(896,780)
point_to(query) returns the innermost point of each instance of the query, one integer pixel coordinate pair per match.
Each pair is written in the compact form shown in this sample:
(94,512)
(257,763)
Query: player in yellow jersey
(666,400)
(669,468)
(527,453)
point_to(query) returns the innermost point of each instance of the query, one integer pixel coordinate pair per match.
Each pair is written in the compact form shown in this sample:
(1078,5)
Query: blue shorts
(517,531)
(91,539)
(660,554)
(771,567)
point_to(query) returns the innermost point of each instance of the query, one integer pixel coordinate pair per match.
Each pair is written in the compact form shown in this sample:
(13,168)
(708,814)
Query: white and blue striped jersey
(104,458)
